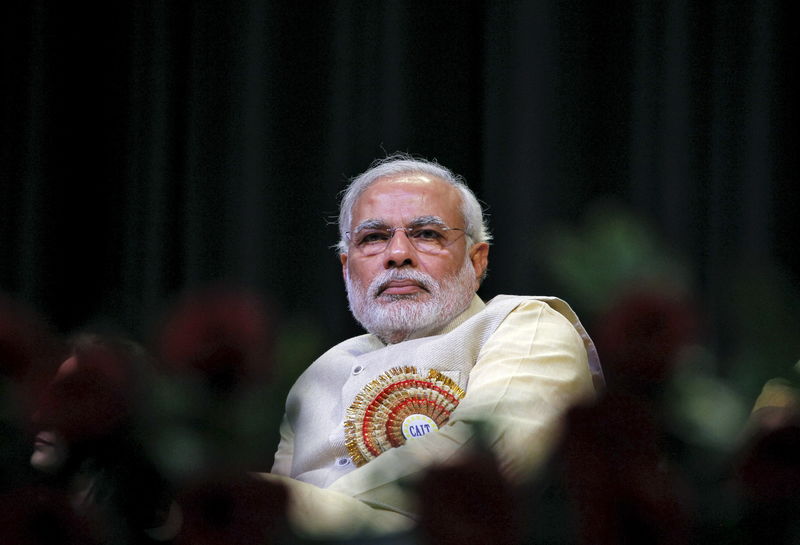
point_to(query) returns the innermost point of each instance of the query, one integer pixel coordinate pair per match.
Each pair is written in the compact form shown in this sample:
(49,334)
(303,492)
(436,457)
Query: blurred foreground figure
(622,486)
(86,447)
(768,466)
(376,412)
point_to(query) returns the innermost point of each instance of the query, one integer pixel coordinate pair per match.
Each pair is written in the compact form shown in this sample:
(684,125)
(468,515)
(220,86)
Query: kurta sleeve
(319,512)
(323,513)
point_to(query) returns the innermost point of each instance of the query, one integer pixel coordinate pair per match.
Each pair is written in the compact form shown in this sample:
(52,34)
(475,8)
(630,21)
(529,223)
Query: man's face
(50,448)
(401,290)
(50,452)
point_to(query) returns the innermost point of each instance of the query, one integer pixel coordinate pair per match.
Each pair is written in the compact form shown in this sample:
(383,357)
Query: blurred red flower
(92,393)
(27,347)
(767,477)
(769,463)
(640,336)
(468,502)
(41,516)
(235,510)
(622,487)
(225,336)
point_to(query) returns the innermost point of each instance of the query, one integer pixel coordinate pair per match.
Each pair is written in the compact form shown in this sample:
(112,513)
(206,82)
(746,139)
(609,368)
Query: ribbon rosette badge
(397,406)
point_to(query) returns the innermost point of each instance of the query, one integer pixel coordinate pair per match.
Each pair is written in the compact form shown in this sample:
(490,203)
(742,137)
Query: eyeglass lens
(429,239)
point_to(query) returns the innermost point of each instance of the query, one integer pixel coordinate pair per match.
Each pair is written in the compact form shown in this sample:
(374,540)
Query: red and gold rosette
(398,405)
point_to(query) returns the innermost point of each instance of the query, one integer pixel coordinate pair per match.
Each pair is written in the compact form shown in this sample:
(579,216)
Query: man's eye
(427,234)
(372,237)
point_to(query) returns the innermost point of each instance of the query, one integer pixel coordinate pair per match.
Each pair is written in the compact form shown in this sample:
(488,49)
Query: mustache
(382,281)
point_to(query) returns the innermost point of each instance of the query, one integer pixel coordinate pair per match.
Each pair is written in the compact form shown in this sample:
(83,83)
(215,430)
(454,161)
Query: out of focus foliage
(187,414)
(611,252)
(745,337)
(695,439)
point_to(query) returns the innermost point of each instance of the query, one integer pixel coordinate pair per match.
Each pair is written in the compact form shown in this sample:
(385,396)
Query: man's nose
(399,252)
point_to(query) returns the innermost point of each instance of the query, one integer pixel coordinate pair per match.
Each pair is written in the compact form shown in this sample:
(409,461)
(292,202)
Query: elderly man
(375,411)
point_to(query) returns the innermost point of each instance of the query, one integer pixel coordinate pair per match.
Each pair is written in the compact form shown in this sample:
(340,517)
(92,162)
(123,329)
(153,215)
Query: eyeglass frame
(417,223)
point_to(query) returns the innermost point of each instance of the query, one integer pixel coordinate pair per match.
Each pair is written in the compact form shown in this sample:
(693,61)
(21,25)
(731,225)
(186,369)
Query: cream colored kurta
(522,362)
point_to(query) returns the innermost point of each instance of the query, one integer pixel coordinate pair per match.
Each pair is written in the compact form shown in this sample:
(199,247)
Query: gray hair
(476,227)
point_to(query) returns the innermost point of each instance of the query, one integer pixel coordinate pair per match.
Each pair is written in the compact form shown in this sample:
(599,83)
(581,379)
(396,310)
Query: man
(374,412)
(87,449)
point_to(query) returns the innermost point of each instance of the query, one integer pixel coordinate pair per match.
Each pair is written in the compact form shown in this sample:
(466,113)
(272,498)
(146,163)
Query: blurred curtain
(149,147)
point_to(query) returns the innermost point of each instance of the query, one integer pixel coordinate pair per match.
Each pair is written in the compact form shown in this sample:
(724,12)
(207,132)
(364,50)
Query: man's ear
(479,255)
(343,259)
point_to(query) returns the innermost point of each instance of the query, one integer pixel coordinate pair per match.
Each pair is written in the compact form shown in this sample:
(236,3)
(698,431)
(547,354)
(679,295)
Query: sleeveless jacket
(313,446)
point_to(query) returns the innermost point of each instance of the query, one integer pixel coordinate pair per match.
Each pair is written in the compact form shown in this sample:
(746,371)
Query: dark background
(149,148)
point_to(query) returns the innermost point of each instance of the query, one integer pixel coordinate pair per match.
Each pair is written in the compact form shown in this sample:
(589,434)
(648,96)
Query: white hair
(476,227)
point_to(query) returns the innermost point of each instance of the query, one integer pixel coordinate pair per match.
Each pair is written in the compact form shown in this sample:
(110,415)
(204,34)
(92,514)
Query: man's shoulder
(526,310)
(558,307)
(511,303)
(520,312)
(541,299)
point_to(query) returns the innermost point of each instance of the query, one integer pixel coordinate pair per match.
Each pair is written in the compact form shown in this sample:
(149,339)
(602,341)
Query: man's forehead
(403,199)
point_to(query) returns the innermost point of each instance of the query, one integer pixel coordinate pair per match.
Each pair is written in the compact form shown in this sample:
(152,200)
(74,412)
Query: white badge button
(417,425)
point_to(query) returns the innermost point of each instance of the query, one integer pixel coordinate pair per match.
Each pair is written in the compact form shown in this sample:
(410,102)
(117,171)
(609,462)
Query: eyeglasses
(429,239)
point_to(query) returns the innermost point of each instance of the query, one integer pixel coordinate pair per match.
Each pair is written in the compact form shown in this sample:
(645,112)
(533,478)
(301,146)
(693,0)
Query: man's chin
(389,298)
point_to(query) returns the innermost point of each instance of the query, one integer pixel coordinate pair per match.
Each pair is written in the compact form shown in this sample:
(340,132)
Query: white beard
(394,318)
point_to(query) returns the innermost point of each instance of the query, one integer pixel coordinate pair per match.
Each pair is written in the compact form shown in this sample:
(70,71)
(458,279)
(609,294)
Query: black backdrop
(149,147)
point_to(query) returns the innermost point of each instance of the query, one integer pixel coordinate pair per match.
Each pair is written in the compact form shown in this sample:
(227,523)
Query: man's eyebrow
(372,223)
(426,220)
